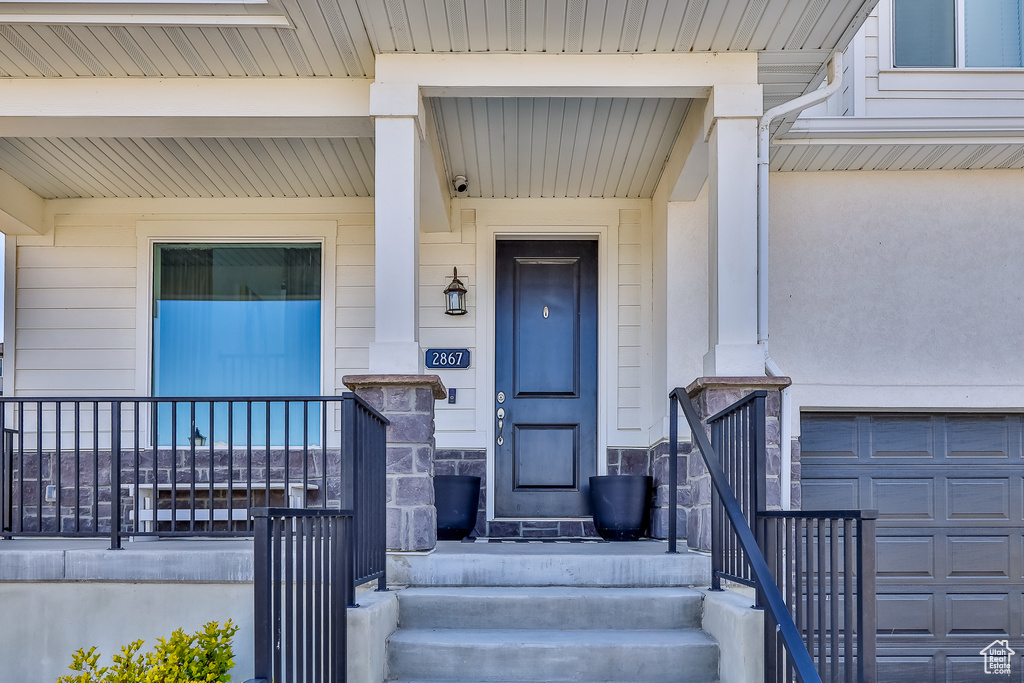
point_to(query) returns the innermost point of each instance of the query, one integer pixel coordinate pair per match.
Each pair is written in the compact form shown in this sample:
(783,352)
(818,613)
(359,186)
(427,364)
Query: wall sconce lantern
(455,293)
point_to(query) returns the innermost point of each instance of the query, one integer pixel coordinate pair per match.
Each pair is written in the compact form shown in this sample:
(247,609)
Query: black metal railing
(823,562)
(746,548)
(302,579)
(95,467)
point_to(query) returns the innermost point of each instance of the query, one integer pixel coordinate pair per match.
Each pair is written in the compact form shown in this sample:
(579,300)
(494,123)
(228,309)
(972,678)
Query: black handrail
(769,595)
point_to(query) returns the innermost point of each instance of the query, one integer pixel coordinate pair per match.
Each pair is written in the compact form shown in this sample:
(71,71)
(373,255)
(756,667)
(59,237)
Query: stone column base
(408,402)
(712,395)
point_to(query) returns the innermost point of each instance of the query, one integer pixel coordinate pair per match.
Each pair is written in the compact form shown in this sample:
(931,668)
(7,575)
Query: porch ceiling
(340,37)
(60,168)
(526,147)
(558,147)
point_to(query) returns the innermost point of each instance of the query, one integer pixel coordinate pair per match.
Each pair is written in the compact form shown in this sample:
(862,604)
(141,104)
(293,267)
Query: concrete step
(643,563)
(652,656)
(549,608)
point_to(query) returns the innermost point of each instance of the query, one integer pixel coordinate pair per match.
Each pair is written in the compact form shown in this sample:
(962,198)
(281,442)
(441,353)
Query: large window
(958,33)
(234,320)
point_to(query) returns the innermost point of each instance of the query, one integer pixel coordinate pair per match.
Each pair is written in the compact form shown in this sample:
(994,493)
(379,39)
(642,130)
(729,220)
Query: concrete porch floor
(643,563)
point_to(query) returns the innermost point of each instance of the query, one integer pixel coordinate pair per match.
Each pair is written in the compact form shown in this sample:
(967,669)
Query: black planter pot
(620,505)
(456,497)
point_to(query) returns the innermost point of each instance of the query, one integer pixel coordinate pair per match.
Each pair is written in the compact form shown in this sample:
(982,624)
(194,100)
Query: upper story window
(958,33)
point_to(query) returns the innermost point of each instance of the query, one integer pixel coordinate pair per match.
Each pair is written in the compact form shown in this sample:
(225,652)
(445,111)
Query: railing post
(6,475)
(673,451)
(115,475)
(263,636)
(867,626)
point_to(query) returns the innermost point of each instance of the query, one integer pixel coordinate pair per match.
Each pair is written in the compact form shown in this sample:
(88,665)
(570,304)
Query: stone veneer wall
(407,401)
(712,395)
(471,463)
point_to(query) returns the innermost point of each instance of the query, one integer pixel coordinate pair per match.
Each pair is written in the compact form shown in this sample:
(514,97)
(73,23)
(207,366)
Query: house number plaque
(447,358)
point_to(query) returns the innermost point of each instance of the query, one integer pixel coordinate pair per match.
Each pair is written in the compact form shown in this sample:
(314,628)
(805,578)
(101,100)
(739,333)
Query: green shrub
(203,657)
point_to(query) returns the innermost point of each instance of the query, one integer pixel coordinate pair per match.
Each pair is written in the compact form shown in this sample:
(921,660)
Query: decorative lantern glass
(455,295)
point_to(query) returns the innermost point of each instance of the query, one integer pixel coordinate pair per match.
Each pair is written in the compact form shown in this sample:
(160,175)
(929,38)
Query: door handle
(501,424)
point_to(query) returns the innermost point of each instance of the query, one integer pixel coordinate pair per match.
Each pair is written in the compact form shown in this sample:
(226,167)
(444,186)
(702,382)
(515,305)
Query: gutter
(835,80)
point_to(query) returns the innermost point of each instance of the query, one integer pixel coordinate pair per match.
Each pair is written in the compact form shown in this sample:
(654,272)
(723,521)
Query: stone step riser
(574,656)
(544,567)
(549,608)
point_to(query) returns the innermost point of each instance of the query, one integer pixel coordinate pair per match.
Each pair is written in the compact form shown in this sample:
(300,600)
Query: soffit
(558,147)
(897,157)
(59,168)
(339,37)
(900,144)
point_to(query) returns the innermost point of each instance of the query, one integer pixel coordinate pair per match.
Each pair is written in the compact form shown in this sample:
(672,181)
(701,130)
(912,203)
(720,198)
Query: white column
(396,348)
(731,119)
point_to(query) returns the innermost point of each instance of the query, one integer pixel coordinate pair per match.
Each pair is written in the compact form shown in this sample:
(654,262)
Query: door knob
(501,424)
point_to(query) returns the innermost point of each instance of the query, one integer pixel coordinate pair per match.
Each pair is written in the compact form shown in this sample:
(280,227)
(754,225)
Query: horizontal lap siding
(354,316)
(76,312)
(437,258)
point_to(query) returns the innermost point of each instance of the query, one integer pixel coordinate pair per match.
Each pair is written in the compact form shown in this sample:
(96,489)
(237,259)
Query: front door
(545,403)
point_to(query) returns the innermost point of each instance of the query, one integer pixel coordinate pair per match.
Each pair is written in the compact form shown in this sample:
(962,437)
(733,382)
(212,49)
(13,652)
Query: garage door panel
(902,614)
(977,499)
(981,436)
(831,494)
(978,557)
(950,536)
(906,668)
(903,498)
(905,556)
(835,440)
(902,437)
(978,614)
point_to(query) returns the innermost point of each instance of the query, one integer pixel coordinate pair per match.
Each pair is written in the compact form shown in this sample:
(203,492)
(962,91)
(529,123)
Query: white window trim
(235,231)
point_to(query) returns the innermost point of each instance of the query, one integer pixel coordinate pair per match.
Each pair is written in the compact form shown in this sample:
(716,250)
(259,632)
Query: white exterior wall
(82,323)
(873,87)
(82,318)
(898,290)
(623,230)
(75,309)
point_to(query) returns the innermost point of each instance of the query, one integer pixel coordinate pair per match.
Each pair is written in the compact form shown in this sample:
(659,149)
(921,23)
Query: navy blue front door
(545,403)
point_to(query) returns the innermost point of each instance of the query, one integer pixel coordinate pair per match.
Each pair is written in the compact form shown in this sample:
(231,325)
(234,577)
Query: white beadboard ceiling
(907,156)
(549,147)
(558,147)
(57,168)
(900,144)
(340,37)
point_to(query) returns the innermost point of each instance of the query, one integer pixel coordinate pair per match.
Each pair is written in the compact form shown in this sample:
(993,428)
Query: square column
(396,348)
(730,120)
(407,401)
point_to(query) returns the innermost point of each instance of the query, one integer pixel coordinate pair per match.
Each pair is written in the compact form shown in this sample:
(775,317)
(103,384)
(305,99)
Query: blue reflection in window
(237,320)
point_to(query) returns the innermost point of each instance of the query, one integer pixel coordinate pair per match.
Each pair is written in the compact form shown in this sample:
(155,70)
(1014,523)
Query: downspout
(835,80)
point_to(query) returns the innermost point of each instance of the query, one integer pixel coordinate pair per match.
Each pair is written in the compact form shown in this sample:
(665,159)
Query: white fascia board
(860,130)
(22,211)
(218,13)
(192,107)
(568,75)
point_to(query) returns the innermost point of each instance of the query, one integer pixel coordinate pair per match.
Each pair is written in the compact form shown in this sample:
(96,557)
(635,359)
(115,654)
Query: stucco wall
(898,289)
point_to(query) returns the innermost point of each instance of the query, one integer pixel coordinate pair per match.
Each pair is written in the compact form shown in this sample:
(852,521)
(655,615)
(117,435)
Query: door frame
(607,238)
